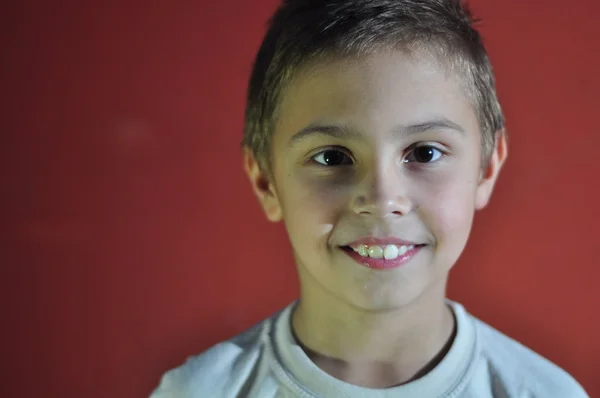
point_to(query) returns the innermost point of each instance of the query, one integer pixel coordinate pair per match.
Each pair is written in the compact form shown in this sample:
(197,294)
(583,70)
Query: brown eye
(423,154)
(332,157)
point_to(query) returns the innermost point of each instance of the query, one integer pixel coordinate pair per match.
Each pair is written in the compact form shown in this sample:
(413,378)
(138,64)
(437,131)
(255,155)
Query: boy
(374,132)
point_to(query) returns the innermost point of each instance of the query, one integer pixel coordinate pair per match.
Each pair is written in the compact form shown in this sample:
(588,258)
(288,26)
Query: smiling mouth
(382,256)
(388,252)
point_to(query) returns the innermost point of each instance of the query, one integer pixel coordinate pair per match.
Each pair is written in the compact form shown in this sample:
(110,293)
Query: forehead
(373,94)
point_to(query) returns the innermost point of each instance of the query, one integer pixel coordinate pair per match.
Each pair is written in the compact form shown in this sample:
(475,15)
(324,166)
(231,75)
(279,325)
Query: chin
(390,296)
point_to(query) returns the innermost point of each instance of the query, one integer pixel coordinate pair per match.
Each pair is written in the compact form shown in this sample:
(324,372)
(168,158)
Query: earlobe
(263,186)
(491,170)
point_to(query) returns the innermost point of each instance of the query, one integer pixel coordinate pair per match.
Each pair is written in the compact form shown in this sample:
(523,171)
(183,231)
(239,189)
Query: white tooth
(390,252)
(375,252)
(363,250)
(403,250)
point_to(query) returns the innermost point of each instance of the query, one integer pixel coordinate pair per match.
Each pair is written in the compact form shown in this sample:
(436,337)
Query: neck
(372,348)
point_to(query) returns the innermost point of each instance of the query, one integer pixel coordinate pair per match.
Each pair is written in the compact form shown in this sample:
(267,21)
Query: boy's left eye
(423,154)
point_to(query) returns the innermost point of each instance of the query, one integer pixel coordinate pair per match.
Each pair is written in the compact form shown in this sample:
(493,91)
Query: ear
(263,186)
(491,170)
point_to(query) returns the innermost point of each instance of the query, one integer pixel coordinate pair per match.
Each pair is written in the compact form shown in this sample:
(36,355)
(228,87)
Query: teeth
(375,252)
(363,250)
(388,252)
(391,252)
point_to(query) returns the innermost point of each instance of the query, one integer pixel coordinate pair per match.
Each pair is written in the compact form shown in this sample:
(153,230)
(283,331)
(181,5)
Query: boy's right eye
(332,157)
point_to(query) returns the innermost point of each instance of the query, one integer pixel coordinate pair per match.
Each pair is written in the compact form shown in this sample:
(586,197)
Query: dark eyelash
(342,151)
(411,150)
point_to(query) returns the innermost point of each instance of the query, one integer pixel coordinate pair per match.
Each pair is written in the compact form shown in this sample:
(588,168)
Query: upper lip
(370,241)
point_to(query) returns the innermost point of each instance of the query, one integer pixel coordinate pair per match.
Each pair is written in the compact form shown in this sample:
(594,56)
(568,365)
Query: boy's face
(387,147)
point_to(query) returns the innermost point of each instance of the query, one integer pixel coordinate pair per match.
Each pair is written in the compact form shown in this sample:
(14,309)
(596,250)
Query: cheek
(311,207)
(448,208)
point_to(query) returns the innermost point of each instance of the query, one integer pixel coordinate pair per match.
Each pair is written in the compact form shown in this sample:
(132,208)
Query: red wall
(132,238)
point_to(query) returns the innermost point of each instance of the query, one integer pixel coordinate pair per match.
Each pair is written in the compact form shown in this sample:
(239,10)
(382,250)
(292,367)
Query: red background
(131,236)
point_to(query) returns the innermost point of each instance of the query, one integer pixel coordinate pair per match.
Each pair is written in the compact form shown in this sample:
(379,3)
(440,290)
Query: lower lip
(382,263)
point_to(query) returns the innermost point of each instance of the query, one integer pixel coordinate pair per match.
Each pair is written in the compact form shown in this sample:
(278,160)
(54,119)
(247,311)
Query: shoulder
(511,363)
(219,371)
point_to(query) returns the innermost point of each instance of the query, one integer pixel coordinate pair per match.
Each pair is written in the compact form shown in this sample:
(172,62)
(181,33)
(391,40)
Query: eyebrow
(347,132)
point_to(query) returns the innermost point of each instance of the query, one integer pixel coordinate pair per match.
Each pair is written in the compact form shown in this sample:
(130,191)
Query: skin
(375,328)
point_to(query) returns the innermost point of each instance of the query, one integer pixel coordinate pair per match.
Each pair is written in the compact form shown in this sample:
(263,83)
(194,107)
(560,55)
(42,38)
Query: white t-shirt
(266,362)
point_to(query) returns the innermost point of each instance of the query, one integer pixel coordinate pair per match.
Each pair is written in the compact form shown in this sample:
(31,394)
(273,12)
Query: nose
(383,194)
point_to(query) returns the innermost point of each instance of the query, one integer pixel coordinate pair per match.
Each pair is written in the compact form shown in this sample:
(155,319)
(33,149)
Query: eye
(332,157)
(423,154)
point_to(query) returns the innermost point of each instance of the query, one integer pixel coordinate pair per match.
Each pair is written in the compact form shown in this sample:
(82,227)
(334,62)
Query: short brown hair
(303,31)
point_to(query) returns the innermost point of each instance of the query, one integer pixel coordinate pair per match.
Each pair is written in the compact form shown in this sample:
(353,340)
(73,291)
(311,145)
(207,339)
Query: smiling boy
(373,131)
